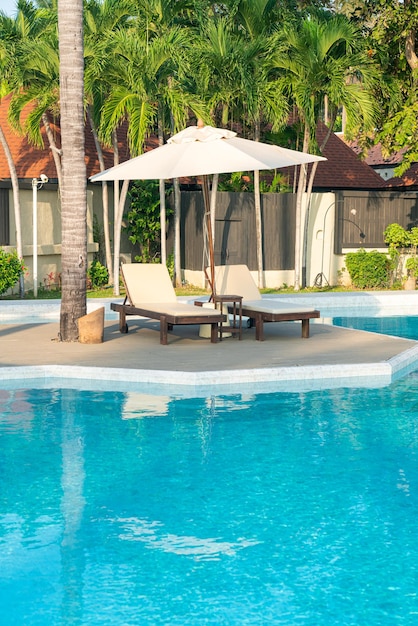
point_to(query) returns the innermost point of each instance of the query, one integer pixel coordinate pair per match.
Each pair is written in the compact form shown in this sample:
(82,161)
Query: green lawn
(186,290)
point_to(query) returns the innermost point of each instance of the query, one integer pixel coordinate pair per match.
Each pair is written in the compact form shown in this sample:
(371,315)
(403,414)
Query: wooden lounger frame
(259,317)
(238,279)
(167,320)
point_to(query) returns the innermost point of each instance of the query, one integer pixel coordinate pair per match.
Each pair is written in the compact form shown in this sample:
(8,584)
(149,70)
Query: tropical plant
(391,28)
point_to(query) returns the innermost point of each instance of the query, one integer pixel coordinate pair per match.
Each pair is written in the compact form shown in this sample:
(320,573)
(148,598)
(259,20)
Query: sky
(8,7)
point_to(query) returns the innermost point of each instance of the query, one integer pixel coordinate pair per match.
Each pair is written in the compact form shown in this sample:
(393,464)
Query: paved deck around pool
(329,356)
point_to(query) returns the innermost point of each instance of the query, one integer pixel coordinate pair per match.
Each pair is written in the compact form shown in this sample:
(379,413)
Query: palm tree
(7,36)
(144,82)
(35,75)
(323,57)
(73,190)
(261,95)
(101,19)
(233,70)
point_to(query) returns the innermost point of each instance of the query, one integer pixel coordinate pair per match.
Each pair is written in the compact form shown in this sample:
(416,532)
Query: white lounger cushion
(236,280)
(176,308)
(148,282)
(263,305)
(149,287)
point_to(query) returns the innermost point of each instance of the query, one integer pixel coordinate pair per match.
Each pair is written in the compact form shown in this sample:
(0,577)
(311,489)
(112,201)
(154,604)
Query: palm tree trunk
(258,228)
(56,152)
(309,198)
(306,225)
(116,232)
(118,229)
(105,198)
(213,194)
(177,233)
(163,217)
(258,221)
(410,52)
(299,200)
(74,184)
(16,206)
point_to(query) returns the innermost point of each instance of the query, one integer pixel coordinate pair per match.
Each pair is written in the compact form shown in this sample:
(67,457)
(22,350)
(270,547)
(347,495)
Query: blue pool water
(126,509)
(399,326)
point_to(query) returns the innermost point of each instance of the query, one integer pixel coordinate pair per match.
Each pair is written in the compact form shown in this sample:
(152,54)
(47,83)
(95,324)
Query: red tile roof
(31,162)
(375,158)
(408,181)
(342,170)
(374,155)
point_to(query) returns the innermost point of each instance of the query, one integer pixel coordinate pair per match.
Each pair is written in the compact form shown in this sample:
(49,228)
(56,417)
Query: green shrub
(411,266)
(98,275)
(11,267)
(368,270)
(396,236)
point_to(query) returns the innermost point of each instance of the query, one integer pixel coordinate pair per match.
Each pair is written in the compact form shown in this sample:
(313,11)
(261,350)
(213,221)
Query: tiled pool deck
(331,357)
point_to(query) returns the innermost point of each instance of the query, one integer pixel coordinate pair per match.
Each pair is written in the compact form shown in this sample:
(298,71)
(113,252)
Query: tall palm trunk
(299,200)
(163,218)
(16,205)
(119,206)
(74,187)
(258,221)
(213,194)
(177,233)
(116,208)
(305,234)
(56,152)
(105,198)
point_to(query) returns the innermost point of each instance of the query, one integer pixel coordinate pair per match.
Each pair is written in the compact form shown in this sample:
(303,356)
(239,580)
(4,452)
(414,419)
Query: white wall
(49,232)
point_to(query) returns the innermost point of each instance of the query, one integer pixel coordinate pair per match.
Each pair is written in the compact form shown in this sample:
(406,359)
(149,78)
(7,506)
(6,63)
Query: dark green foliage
(144,219)
(98,275)
(368,270)
(11,267)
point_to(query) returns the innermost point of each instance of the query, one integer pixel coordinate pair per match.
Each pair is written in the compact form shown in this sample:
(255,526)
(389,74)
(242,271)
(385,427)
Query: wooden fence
(4,217)
(360,217)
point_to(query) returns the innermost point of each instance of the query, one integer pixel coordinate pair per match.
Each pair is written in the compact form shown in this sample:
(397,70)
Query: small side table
(236,302)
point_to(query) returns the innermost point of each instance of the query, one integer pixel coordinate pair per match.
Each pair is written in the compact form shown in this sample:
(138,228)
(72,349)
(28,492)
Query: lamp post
(37,183)
(361,233)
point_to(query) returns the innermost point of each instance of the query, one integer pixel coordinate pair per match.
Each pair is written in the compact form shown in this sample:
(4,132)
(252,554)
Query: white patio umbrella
(201,151)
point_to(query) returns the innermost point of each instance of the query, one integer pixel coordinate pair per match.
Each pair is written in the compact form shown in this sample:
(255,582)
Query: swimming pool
(398,325)
(287,508)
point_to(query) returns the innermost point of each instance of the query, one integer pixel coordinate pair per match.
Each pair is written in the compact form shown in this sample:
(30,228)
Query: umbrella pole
(206,201)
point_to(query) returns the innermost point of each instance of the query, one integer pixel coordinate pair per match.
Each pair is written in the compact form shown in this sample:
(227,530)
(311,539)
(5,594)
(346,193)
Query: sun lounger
(149,293)
(237,279)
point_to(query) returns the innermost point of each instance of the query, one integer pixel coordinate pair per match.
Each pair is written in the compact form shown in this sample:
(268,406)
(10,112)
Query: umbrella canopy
(201,151)
(197,151)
